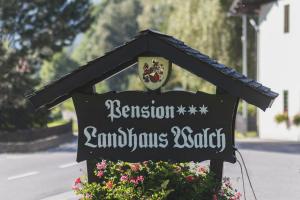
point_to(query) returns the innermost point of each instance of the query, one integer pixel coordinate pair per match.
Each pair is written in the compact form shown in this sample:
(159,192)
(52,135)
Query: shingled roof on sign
(154,43)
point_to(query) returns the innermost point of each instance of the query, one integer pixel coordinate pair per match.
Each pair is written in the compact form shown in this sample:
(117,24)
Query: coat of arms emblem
(153,71)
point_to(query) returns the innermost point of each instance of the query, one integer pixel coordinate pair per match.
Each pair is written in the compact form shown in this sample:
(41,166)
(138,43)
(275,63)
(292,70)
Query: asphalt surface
(274,169)
(40,175)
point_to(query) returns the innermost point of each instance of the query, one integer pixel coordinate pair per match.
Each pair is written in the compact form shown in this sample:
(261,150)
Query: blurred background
(40,41)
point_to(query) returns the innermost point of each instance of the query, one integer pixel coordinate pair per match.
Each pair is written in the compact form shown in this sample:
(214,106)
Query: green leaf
(164,184)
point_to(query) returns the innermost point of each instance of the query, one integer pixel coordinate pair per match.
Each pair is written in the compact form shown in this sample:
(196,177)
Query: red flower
(190,178)
(100,174)
(134,181)
(77,181)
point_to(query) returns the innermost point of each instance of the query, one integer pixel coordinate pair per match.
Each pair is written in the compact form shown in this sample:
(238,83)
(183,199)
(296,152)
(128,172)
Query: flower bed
(153,181)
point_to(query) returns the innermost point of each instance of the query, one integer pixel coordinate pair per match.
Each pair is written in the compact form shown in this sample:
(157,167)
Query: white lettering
(89,136)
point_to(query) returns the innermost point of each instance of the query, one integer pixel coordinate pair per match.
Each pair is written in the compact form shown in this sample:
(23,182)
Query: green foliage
(116,23)
(22,117)
(15,112)
(250,108)
(296,120)
(202,24)
(281,117)
(153,181)
(56,123)
(59,65)
(30,32)
(42,27)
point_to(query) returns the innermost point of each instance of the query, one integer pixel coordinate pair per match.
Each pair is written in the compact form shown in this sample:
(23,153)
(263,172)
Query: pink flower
(189,178)
(124,178)
(145,162)
(77,181)
(140,179)
(100,174)
(102,165)
(135,167)
(202,169)
(75,187)
(215,197)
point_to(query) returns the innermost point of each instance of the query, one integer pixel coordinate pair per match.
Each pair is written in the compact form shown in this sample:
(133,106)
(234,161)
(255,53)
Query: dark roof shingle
(149,41)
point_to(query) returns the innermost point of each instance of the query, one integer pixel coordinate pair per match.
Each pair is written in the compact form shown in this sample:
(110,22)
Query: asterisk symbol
(203,110)
(192,110)
(181,110)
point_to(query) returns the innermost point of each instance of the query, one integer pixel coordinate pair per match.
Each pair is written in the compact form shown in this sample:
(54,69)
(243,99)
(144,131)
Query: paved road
(274,169)
(39,175)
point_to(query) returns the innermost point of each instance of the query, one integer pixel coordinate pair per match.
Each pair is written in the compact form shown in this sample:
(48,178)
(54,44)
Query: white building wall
(279,66)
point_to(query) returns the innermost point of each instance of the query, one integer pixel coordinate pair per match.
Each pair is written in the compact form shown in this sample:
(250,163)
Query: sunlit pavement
(274,169)
(37,176)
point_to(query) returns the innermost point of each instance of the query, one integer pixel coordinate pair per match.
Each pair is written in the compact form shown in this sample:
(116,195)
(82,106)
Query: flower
(189,178)
(177,169)
(102,165)
(88,196)
(146,162)
(140,179)
(226,181)
(77,181)
(134,181)
(75,187)
(215,197)
(135,167)
(202,169)
(109,184)
(100,174)
(124,178)
(237,196)
(120,177)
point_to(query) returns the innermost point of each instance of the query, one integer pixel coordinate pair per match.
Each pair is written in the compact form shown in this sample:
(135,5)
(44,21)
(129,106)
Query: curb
(36,145)
(63,196)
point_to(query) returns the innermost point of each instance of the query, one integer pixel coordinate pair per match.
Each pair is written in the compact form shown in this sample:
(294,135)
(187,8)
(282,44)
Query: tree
(59,65)
(116,23)
(32,30)
(203,25)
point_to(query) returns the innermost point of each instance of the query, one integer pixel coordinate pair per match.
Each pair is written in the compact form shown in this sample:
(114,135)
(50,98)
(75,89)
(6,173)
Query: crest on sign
(153,71)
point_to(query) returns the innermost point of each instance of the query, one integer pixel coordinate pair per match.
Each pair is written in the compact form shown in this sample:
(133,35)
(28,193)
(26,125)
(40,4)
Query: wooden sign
(136,126)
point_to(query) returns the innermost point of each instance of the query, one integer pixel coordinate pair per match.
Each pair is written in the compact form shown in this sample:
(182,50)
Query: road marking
(63,196)
(22,175)
(67,165)
(14,157)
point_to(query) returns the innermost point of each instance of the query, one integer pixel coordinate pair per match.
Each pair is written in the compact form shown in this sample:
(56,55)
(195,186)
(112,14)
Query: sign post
(174,126)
